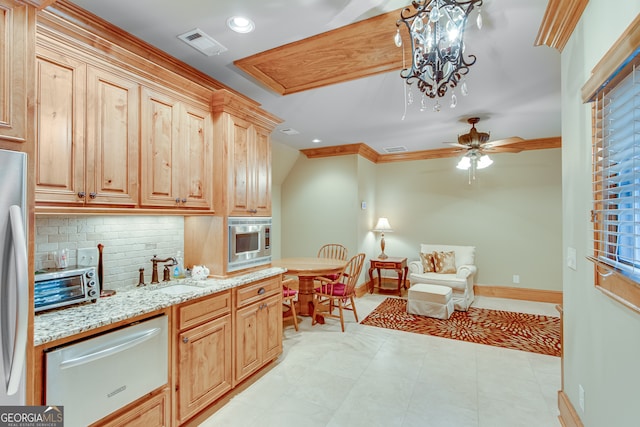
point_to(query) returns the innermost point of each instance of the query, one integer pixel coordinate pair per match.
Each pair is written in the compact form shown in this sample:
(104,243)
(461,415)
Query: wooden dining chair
(338,293)
(333,251)
(289,300)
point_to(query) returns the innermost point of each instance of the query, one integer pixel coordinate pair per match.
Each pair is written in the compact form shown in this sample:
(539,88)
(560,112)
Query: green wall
(601,344)
(511,212)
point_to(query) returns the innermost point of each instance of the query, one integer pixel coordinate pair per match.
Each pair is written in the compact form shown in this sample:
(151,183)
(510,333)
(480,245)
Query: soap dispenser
(178,269)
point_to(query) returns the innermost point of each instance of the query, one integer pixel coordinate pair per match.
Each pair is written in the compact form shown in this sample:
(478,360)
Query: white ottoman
(430,300)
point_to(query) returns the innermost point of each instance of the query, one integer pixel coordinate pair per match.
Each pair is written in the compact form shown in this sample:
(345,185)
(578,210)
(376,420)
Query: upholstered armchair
(447,265)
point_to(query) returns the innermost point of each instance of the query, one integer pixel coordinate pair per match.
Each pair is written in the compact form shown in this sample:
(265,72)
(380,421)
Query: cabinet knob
(93,195)
(261,291)
(252,210)
(81,194)
(177,200)
(185,340)
(184,200)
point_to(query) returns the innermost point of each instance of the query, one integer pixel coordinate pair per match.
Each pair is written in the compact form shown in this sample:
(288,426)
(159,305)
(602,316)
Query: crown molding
(559,21)
(370,154)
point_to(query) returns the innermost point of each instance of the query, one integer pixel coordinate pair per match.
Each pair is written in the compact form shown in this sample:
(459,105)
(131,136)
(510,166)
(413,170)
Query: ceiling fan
(476,145)
(479,141)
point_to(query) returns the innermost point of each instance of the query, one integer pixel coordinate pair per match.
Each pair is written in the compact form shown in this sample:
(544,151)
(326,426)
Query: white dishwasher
(97,376)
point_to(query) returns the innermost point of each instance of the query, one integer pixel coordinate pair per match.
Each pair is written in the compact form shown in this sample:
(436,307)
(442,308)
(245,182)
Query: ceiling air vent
(398,149)
(202,42)
(289,131)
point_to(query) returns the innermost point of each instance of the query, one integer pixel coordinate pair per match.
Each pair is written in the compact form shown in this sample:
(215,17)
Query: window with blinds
(616,175)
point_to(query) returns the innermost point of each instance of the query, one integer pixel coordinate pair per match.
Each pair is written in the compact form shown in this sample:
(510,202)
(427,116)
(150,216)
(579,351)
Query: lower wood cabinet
(203,354)
(258,326)
(152,412)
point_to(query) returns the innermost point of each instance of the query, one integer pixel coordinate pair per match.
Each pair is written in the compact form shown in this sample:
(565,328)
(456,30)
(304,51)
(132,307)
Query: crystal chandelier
(436,29)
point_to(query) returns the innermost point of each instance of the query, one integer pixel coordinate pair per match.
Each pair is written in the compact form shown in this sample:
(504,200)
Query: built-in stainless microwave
(249,242)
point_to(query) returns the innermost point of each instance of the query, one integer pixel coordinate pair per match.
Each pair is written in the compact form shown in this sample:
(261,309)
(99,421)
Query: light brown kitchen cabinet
(176,152)
(151,412)
(243,156)
(203,355)
(87,121)
(258,326)
(17,30)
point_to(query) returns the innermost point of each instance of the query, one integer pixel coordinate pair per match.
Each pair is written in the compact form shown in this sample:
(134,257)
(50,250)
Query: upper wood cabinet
(242,155)
(87,133)
(176,152)
(17,31)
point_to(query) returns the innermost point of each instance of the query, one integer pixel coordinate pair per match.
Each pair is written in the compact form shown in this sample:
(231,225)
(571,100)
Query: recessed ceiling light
(316,141)
(240,24)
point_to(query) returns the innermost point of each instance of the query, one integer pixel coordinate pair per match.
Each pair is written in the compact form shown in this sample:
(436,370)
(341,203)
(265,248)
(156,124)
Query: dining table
(307,268)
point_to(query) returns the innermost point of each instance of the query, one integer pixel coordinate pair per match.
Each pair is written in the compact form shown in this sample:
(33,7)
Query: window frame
(616,64)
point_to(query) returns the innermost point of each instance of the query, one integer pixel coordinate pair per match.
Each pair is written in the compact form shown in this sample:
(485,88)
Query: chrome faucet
(154,271)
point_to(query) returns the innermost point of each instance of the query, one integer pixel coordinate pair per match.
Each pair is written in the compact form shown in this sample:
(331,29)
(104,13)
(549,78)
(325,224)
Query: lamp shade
(383,225)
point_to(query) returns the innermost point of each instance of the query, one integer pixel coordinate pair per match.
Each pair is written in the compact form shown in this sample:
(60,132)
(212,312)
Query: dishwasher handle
(108,351)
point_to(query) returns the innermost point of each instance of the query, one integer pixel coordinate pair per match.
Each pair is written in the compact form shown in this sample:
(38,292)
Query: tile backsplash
(129,242)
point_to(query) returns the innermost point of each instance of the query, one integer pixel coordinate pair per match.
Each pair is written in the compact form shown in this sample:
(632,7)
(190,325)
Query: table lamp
(382,226)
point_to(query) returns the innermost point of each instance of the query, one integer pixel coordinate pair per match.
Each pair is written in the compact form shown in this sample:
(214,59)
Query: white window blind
(616,176)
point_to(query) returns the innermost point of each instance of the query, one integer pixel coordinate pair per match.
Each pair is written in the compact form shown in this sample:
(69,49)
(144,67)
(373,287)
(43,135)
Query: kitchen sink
(178,289)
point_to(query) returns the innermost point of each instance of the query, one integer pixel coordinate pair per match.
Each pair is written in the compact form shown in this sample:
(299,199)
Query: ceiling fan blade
(455,144)
(501,149)
(501,142)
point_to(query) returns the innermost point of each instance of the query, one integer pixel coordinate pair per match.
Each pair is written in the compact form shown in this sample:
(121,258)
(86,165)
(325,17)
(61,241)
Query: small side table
(392,263)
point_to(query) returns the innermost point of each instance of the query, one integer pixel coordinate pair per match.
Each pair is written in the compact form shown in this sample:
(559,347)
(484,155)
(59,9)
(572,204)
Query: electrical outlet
(581,396)
(87,257)
(516,278)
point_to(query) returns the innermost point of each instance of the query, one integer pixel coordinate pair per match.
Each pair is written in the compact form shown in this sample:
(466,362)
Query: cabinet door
(241,135)
(204,371)
(153,412)
(261,192)
(112,138)
(248,352)
(272,328)
(17,30)
(194,176)
(160,124)
(60,123)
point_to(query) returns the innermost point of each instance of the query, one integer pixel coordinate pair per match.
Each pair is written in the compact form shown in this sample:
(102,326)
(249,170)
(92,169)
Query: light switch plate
(87,257)
(571,258)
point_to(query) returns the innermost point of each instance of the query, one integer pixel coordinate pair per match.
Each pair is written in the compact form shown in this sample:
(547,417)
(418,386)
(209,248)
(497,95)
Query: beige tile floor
(369,376)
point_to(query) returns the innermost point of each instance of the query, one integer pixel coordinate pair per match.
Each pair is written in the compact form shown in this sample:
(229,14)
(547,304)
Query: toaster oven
(55,288)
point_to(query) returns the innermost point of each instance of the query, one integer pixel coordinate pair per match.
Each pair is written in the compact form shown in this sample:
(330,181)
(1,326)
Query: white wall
(601,345)
(511,213)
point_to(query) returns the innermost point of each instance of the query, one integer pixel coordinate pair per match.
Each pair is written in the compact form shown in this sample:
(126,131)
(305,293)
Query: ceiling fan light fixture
(484,162)
(464,163)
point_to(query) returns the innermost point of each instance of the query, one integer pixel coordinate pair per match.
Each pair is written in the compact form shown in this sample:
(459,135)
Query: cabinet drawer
(259,290)
(386,265)
(203,310)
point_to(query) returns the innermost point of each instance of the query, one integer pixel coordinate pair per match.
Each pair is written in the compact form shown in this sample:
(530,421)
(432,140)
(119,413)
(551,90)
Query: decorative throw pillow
(427,263)
(444,262)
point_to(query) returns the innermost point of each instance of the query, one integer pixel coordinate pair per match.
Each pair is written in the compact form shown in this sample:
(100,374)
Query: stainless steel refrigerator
(14,277)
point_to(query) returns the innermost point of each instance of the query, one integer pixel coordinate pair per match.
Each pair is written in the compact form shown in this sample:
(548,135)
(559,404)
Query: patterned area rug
(527,332)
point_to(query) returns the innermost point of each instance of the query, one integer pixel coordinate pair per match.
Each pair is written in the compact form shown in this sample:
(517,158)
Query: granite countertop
(130,302)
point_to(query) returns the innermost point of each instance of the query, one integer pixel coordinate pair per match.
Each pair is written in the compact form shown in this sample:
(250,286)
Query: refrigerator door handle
(22,299)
